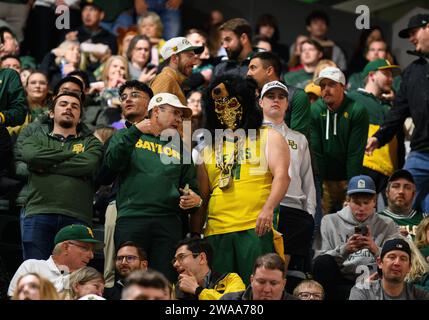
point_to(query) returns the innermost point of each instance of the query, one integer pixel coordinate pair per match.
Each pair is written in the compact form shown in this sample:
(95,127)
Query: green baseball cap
(76,232)
(380,64)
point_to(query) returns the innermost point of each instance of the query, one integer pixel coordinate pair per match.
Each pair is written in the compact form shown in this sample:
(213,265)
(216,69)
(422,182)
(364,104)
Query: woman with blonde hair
(322,65)
(115,73)
(419,273)
(32,286)
(61,61)
(83,282)
(422,238)
(151,26)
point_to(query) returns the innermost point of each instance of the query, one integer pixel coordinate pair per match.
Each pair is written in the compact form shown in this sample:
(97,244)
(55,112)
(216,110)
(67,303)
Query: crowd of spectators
(220,163)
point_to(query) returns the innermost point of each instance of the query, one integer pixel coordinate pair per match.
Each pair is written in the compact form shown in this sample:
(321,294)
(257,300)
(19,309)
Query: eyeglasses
(308,295)
(134,95)
(176,113)
(181,257)
(86,249)
(128,259)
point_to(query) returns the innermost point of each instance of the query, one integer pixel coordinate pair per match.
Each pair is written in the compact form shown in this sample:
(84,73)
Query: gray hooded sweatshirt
(336,228)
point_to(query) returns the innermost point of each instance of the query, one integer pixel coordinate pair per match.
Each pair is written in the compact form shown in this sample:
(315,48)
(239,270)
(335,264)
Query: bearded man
(236,37)
(243,176)
(180,58)
(62,157)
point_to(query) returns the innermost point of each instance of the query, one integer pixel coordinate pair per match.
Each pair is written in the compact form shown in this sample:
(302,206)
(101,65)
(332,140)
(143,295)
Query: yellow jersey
(237,207)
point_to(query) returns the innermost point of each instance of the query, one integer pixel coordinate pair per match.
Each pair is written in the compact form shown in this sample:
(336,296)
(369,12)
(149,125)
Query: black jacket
(232,67)
(412,100)
(101,36)
(114,293)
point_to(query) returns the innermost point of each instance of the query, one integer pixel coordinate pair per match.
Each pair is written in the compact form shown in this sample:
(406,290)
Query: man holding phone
(351,239)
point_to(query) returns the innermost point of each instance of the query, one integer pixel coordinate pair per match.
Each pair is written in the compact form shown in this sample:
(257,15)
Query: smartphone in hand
(363,230)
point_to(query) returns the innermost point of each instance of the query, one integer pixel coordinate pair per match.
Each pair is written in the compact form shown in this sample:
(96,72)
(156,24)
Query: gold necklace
(226,167)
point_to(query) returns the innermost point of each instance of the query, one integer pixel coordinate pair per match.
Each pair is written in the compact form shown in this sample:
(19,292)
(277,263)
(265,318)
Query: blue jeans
(38,233)
(171,19)
(418,165)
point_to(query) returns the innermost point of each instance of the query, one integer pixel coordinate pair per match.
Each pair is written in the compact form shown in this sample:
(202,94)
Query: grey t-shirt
(374,291)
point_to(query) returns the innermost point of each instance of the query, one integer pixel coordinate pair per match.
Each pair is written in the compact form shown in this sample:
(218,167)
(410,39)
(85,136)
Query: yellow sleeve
(231,283)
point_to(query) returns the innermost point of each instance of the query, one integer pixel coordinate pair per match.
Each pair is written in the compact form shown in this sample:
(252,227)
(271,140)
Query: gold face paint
(228,109)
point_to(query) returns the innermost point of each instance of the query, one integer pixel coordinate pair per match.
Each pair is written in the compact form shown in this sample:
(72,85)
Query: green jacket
(13,103)
(61,171)
(339,150)
(298,78)
(147,186)
(356,81)
(377,109)
(21,168)
(298,115)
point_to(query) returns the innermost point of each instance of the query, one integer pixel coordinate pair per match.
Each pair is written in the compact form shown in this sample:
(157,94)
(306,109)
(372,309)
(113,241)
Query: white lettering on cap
(276,84)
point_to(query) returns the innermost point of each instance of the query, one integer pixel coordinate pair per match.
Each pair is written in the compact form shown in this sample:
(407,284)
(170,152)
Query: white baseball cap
(332,73)
(170,99)
(274,85)
(177,45)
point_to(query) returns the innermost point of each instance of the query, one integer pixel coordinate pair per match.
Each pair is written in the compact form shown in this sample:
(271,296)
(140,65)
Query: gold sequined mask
(228,110)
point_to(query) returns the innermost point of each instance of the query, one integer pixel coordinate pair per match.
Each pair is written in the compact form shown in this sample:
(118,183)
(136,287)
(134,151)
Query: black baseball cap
(68,79)
(95,3)
(395,244)
(402,173)
(419,20)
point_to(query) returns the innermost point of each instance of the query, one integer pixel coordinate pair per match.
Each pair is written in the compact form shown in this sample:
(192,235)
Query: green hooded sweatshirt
(61,171)
(338,139)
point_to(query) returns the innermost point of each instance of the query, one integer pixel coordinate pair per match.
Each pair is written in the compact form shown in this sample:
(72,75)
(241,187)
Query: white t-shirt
(46,269)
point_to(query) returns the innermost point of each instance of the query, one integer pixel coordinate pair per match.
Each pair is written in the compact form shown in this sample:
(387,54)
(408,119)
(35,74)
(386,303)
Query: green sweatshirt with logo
(13,103)
(61,173)
(150,173)
(338,139)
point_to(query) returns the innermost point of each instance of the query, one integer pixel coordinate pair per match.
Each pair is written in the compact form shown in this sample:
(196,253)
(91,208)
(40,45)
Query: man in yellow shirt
(243,176)
(197,279)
